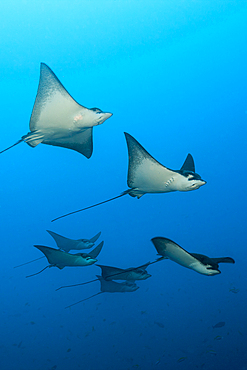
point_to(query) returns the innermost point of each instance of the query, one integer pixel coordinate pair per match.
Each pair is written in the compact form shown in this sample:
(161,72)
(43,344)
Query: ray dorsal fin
(189,164)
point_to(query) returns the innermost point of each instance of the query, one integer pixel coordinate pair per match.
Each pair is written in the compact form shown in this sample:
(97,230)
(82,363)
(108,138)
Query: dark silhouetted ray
(109,286)
(115,273)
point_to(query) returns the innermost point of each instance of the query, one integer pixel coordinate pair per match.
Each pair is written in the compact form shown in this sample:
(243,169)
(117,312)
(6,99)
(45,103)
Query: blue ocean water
(174,75)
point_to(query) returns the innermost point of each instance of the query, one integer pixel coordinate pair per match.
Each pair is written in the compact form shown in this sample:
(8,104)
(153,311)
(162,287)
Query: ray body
(197,262)
(114,273)
(109,286)
(67,244)
(62,259)
(58,120)
(169,249)
(147,175)
(129,274)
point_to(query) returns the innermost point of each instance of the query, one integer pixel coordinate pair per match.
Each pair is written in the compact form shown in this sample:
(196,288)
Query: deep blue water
(174,75)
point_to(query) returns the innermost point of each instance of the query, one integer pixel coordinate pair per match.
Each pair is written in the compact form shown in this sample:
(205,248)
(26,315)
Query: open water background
(174,75)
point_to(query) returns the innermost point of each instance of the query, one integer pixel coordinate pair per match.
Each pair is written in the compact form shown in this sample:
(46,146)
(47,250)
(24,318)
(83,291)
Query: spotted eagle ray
(197,262)
(115,273)
(67,244)
(61,259)
(109,286)
(146,175)
(57,119)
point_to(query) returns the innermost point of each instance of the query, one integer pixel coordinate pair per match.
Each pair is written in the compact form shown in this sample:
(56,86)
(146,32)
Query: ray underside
(145,172)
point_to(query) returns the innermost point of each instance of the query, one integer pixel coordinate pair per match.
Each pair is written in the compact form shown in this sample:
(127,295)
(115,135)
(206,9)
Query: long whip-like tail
(26,263)
(85,299)
(39,271)
(94,205)
(18,142)
(158,260)
(70,286)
